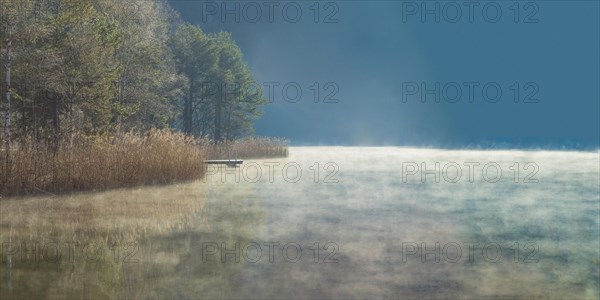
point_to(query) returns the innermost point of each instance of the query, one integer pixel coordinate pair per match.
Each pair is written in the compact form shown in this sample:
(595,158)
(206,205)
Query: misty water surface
(370,224)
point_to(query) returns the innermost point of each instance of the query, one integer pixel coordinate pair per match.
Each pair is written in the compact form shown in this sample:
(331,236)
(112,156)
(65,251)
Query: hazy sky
(379,59)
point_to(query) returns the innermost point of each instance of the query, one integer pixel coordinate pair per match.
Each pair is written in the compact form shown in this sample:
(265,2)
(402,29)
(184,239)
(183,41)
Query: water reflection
(128,259)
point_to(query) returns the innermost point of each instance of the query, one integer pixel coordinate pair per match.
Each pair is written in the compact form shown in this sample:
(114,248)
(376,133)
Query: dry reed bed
(259,147)
(100,163)
(106,162)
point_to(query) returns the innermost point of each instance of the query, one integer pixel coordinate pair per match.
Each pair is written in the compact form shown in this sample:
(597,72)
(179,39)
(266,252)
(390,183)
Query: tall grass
(100,162)
(256,147)
(109,161)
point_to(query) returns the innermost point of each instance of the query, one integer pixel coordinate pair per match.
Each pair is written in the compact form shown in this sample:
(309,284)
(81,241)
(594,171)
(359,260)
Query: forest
(83,76)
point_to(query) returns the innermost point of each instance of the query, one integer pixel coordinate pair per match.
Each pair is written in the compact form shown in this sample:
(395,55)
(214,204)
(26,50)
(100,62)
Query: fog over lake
(354,149)
(373,213)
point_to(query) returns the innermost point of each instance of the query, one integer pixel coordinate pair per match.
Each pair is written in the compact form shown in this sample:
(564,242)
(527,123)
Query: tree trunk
(187,110)
(71,121)
(218,112)
(7,105)
(56,120)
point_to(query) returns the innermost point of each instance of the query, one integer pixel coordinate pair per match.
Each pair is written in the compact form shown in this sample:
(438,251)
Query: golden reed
(104,162)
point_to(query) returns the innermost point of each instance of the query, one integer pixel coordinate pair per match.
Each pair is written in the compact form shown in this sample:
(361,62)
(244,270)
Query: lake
(325,222)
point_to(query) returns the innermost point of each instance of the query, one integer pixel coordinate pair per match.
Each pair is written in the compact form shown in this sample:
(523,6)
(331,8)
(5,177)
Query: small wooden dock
(228,162)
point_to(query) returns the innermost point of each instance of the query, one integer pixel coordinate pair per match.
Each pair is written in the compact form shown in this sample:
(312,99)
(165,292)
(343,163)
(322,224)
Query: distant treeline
(101,66)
